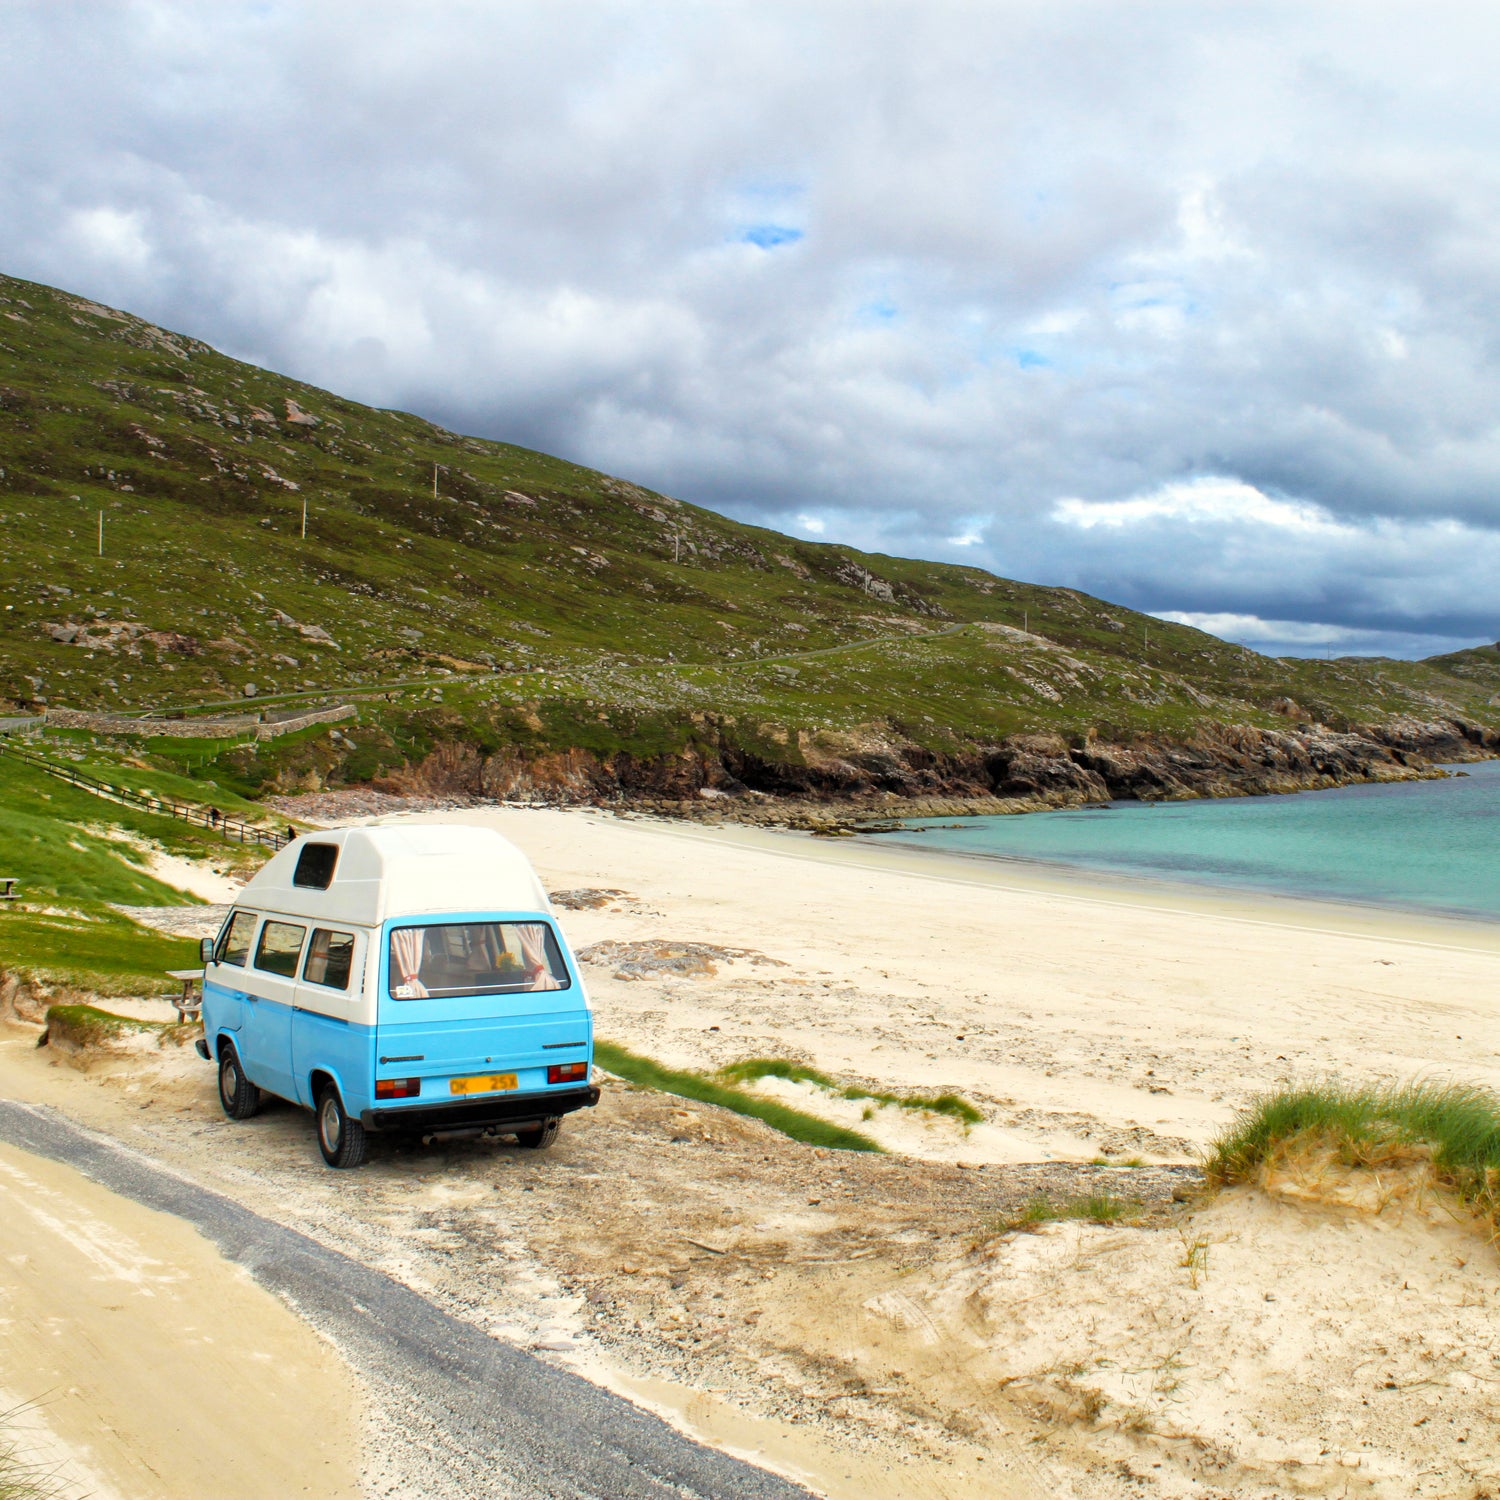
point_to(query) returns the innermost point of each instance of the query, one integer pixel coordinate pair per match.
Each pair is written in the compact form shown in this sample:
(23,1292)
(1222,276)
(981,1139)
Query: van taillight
(397,1088)
(568,1073)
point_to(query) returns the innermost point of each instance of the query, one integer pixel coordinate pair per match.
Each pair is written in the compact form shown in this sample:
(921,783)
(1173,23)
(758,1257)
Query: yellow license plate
(491,1083)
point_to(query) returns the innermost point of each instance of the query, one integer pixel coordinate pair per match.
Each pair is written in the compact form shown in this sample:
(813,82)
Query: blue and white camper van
(408,979)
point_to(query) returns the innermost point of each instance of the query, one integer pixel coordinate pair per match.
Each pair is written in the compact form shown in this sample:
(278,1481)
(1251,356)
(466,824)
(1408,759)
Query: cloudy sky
(1192,306)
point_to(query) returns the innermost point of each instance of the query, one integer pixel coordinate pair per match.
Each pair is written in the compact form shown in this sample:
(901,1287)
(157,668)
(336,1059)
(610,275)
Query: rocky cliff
(862,774)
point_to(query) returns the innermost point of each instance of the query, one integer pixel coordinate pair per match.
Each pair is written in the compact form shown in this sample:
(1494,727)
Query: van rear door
(479,1007)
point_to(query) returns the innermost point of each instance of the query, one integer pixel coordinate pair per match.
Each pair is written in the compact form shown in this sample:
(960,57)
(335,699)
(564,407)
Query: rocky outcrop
(879,770)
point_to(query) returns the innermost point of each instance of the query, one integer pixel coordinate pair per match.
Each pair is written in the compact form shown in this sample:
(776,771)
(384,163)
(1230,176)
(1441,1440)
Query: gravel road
(465,1415)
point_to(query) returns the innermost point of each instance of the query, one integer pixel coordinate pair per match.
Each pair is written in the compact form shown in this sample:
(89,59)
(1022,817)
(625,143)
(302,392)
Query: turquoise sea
(1425,845)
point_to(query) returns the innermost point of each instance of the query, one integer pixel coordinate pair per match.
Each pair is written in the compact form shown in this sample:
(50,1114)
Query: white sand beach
(1082,1016)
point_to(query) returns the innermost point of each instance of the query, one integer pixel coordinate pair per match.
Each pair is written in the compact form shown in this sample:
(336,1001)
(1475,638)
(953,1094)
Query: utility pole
(101,533)
(434,482)
(304,518)
(676,547)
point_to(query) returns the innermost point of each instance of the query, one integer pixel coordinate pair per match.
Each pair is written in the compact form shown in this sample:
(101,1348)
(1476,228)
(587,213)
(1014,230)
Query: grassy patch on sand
(688,1085)
(1094,1208)
(1454,1125)
(754,1068)
(88,1026)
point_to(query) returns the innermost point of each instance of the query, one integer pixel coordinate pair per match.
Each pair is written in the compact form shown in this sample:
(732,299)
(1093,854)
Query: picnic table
(8,891)
(191,1002)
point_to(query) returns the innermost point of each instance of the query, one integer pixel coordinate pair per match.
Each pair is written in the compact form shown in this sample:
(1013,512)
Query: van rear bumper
(507,1112)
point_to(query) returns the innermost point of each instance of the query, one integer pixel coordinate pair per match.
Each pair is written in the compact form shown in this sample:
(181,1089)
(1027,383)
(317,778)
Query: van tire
(239,1097)
(341,1138)
(540,1138)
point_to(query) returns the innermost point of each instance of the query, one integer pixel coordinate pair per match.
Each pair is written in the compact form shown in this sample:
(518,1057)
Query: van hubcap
(328,1118)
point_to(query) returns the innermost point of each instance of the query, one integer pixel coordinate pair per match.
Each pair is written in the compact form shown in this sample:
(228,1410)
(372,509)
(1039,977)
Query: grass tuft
(1095,1208)
(750,1069)
(1455,1125)
(688,1085)
(20,1478)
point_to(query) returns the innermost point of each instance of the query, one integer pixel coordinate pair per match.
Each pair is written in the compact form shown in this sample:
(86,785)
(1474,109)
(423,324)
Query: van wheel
(340,1138)
(540,1138)
(237,1094)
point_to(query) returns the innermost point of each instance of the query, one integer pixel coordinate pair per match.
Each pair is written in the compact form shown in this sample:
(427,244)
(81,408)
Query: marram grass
(1455,1125)
(21,1478)
(649,1073)
(1095,1208)
(753,1068)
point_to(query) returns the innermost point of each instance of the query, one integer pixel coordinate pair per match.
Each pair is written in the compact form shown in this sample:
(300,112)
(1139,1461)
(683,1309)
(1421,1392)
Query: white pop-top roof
(419,869)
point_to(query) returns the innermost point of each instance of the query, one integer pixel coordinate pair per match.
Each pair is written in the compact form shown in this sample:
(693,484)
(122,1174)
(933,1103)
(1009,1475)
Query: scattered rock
(587,898)
(652,959)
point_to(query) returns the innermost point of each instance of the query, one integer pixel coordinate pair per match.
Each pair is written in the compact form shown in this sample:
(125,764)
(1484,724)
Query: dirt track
(674,1253)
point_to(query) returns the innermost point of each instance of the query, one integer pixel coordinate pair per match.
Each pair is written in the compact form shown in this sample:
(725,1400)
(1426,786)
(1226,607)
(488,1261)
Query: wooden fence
(232,830)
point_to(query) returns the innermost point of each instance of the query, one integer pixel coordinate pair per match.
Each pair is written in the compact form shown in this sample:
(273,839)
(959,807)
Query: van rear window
(475,958)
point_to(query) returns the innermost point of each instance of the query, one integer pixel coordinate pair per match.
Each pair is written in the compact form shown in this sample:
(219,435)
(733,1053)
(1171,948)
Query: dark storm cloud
(1193,306)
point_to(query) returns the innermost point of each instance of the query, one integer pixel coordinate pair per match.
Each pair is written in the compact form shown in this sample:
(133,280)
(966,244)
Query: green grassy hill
(78,858)
(537,624)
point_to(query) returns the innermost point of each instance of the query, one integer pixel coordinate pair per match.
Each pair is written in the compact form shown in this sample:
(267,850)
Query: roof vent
(315,866)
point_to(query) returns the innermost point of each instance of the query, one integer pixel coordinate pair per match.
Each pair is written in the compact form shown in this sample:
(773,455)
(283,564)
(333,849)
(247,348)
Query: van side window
(329,958)
(315,866)
(279,947)
(234,941)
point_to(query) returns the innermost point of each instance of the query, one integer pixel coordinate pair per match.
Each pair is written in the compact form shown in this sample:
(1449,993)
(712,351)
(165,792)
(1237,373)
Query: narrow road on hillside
(488,1419)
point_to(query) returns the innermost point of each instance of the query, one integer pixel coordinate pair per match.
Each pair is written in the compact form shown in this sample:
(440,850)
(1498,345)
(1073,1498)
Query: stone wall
(196,729)
(270,730)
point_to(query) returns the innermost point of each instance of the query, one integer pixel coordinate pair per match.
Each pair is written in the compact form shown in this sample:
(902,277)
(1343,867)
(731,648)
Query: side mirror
(206,950)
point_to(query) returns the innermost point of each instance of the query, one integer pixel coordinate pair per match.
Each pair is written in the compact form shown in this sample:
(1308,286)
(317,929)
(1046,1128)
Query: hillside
(512,623)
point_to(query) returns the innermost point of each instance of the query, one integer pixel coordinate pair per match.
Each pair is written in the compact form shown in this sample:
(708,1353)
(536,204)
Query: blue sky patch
(768,236)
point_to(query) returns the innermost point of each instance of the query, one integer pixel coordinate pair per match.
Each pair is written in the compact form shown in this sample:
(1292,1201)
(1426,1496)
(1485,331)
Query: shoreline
(1391,923)
(1330,914)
